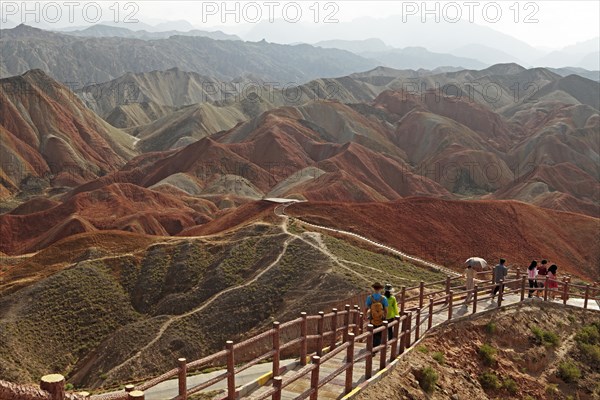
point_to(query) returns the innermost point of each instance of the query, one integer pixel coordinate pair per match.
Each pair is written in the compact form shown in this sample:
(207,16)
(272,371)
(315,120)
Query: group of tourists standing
(384,307)
(537,276)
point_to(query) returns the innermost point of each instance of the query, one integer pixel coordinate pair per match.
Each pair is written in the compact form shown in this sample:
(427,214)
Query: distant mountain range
(102,52)
(116,31)
(407,58)
(87,60)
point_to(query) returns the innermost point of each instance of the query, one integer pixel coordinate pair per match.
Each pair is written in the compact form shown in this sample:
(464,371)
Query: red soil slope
(233,218)
(449,232)
(115,207)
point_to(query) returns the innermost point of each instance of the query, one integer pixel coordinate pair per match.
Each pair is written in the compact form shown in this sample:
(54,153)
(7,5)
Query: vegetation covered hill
(125,309)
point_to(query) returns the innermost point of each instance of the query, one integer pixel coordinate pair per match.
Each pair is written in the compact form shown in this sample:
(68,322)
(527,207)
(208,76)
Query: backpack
(376,309)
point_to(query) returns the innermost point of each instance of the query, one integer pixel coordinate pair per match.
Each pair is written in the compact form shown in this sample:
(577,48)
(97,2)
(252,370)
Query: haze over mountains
(89,60)
(190,51)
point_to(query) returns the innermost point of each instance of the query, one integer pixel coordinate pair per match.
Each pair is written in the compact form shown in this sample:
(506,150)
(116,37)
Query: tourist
(377,306)
(500,272)
(552,282)
(392,311)
(469,275)
(532,273)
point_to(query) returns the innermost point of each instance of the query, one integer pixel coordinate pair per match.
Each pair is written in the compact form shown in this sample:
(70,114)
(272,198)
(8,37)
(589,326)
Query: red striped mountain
(48,136)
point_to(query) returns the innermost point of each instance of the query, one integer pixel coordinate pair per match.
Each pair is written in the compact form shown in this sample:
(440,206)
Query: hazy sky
(551,24)
(559,23)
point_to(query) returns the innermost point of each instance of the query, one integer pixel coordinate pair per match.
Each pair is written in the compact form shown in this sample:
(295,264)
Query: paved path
(169,389)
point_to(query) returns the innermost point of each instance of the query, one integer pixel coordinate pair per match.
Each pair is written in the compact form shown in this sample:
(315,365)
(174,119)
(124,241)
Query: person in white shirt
(532,273)
(469,275)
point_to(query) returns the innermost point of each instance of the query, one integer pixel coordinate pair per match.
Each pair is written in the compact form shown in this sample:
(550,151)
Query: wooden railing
(319,338)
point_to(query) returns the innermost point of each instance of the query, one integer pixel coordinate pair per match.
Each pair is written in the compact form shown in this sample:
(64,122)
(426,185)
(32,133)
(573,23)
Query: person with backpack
(500,272)
(392,311)
(532,273)
(377,306)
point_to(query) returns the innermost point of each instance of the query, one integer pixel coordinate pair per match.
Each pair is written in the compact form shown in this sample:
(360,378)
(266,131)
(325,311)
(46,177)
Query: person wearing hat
(392,311)
(377,306)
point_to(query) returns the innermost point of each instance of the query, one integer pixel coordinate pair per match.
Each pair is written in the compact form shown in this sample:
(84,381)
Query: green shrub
(69,386)
(428,379)
(591,354)
(439,357)
(510,386)
(423,349)
(490,327)
(568,371)
(588,334)
(489,381)
(544,337)
(487,354)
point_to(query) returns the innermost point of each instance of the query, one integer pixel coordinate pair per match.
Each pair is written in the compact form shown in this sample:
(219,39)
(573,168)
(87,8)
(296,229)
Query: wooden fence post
(402,299)
(350,361)
(129,388)
(182,378)
(304,342)
(430,317)
(518,276)
(417,324)
(383,352)
(333,329)
(230,370)
(314,378)
(357,321)
(565,290)
(276,352)
(450,304)
(369,358)
(409,328)
(448,278)
(346,323)
(397,337)
(136,395)
(402,337)
(277,382)
(320,324)
(523,284)
(475,289)
(361,318)
(587,296)
(421,293)
(55,385)
(546,288)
